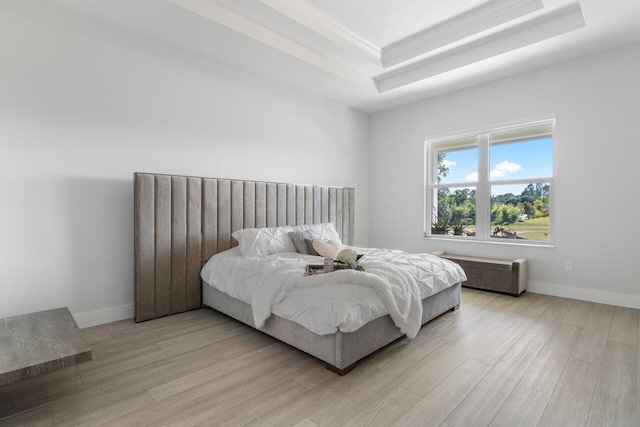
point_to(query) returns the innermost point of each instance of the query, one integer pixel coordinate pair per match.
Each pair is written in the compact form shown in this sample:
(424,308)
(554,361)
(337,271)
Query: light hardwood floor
(499,361)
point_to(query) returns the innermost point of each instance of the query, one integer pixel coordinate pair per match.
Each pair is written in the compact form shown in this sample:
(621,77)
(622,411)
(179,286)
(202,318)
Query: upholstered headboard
(181,221)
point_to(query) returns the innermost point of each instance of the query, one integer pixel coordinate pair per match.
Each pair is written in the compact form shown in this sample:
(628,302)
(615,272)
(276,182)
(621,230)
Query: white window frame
(483,186)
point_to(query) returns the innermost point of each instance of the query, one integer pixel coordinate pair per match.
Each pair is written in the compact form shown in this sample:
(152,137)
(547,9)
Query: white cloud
(473,176)
(502,169)
(448,163)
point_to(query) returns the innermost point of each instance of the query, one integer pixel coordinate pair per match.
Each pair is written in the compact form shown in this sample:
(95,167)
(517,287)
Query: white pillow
(258,242)
(326,230)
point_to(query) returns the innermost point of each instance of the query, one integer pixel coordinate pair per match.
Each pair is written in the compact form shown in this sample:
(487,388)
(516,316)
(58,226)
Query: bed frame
(181,222)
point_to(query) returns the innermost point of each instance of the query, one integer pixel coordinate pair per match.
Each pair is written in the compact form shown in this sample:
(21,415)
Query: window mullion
(483,190)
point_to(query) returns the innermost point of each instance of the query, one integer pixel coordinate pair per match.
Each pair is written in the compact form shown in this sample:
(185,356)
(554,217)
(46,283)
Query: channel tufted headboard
(181,221)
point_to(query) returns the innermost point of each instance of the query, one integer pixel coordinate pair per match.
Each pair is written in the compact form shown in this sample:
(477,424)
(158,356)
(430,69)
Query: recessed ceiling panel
(383,22)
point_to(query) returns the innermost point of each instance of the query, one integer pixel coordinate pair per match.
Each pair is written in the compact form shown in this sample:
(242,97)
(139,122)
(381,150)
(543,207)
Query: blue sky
(527,159)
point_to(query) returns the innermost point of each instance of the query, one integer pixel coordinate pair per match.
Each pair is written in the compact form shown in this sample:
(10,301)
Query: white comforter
(394,283)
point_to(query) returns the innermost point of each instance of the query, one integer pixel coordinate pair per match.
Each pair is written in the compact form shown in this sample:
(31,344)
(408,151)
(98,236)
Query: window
(494,185)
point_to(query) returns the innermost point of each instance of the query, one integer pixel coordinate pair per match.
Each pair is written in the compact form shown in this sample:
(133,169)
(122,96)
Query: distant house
(522,217)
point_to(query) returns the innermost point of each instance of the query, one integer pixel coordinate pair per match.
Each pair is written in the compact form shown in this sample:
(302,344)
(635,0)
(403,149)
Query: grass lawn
(531,229)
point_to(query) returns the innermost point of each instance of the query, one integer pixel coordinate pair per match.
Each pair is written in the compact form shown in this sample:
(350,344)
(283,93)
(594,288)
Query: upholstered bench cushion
(508,276)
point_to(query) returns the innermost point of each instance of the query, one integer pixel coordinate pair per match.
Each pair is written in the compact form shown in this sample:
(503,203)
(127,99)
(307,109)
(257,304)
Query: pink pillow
(327,248)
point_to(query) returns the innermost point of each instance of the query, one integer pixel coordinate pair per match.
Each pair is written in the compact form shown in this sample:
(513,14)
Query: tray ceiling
(373,55)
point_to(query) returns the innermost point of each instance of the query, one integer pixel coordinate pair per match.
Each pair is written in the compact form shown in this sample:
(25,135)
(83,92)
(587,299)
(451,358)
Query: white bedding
(325,306)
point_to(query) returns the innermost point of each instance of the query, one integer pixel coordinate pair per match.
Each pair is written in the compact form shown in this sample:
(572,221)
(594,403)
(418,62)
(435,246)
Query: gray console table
(38,356)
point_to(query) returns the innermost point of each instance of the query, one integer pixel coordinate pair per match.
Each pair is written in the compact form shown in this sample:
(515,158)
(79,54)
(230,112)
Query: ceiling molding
(317,21)
(226,17)
(543,27)
(474,21)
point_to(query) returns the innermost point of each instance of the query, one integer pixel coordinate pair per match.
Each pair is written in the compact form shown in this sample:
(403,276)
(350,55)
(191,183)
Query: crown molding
(543,27)
(215,12)
(474,21)
(317,21)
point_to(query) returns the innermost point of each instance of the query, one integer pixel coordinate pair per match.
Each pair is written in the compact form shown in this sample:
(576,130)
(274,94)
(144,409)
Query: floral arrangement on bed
(348,257)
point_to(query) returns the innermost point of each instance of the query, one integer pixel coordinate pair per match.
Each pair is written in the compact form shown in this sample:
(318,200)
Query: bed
(182,222)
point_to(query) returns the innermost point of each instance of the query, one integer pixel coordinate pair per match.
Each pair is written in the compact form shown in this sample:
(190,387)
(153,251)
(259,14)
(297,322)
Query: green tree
(443,170)
(530,190)
(504,214)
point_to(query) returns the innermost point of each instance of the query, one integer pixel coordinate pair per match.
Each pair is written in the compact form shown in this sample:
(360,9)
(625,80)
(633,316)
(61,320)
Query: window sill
(490,242)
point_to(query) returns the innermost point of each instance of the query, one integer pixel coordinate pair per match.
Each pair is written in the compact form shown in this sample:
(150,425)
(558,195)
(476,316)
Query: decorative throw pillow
(327,248)
(309,243)
(299,240)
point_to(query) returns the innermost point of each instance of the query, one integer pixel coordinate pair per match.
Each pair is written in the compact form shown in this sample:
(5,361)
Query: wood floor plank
(315,399)
(546,369)
(510,309)
(211,380)
(405,351)
(116,345)
(624,326)
(201,337)
(306,423)
(96,337)
(111,392)
(443,399)
(37,417)
(495,314)
(104,413)
(498,345)
(314,376)
(614,402)
(481,405)
(524,407)
(558,309)
(217,352)
(445,360)
(387,410)
(251,409)
(571,400)
(578,313)
(347,404)
(217,396)
(270,355)
(126,385)
(129,326)
(593,338)
(177,411)
(539,305)
(541,330)
(549,320)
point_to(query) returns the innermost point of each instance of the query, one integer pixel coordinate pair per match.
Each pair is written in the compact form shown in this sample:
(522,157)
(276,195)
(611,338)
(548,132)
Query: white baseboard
(603,297)
(105,315)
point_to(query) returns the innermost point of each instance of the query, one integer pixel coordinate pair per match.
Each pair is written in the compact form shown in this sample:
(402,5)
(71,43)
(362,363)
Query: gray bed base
(341,350)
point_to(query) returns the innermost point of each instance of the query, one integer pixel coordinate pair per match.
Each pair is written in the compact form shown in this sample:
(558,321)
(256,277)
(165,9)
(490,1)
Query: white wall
(80,111)
(596,101)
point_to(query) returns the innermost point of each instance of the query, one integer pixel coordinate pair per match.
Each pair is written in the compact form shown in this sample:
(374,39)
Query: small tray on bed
(319,268)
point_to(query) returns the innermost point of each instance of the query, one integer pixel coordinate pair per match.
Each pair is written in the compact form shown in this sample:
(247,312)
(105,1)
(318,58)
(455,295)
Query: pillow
(309,243)
(299,240)
(258,242)
(327,248)
(326,230)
